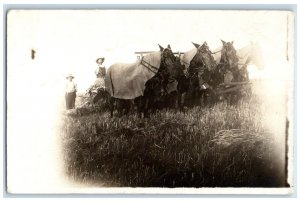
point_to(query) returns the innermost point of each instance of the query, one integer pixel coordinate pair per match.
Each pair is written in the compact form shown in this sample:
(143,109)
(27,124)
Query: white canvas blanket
(187,57)
(127,81)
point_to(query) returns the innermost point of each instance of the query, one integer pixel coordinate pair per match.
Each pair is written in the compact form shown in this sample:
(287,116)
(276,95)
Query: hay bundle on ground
(234,137)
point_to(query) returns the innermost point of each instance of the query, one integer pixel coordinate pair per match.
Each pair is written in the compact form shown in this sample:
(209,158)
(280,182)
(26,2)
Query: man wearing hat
(99,84)
(100,71)
(71,89)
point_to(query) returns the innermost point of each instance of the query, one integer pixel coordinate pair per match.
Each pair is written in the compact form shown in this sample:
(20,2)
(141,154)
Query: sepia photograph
(149,101)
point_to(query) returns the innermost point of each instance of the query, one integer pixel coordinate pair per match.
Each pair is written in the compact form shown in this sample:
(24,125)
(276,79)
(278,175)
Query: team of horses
(161,78)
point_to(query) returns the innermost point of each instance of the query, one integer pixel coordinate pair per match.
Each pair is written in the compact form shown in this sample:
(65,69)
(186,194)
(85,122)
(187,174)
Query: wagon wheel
(247,91)
(229,94)
(213,96)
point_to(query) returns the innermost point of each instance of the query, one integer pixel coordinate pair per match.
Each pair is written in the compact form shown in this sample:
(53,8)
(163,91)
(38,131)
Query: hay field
(219,146)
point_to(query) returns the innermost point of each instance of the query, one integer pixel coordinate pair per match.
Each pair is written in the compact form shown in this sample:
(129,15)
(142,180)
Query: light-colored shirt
(71,86)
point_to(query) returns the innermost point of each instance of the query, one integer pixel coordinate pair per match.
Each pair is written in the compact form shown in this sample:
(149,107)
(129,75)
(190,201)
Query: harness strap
(216,52)
(204,65)
(171,80)
(148,66)
(185,62)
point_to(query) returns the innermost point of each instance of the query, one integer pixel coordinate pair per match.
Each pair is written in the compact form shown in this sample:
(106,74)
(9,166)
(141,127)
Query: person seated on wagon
(99,83)
(100,71)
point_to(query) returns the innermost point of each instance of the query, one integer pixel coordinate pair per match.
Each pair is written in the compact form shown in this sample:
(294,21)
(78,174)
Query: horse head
(167,56)
(203,58)
(171,67)
(229,55)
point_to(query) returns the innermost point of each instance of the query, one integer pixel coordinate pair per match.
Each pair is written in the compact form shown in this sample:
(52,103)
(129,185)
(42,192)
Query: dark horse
(141,81)
(165,95)
(227,71)
(196,61)
(156,87)
(227,60)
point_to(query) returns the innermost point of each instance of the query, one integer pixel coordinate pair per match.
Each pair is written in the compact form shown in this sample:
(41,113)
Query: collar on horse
(204,65)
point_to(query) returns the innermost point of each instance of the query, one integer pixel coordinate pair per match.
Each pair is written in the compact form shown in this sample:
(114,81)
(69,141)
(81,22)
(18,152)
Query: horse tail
(110,92)
(112,85)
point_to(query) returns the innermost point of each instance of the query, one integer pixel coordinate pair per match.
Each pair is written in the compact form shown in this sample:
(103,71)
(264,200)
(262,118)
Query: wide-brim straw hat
(70,75)
(98,60)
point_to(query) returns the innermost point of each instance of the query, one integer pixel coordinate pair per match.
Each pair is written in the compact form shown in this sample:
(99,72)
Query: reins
(148,66)
(151,67)
(216,52)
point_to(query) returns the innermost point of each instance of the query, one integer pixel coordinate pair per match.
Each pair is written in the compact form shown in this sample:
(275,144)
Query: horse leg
(189,99)
(111,106)
(230,98)
(207,96)
(127,106)
(139,102)
(146,107)
(180,100)
(201,97)
(196,98)
(211,97)
(183,100)
(123,107)
(120,107)
(173,100)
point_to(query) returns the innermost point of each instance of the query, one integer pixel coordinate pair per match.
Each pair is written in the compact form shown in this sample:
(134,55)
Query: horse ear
(223,42)
(161,48)
(232,43)
(195,44)
(169,47)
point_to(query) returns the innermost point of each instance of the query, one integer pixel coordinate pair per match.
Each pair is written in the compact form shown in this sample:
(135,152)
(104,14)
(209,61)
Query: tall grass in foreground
(223,146)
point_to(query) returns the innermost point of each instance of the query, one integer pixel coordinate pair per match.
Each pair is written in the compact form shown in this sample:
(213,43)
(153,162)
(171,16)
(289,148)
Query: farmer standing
(71,89)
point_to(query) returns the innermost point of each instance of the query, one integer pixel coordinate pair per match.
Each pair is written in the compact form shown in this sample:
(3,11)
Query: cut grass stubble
(220,146)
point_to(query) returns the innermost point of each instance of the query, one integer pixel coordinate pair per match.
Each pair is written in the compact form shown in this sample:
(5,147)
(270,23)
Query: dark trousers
(70,100)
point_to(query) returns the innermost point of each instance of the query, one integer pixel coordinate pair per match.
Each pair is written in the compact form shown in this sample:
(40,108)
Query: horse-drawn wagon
(217,84)
(233,91)
(178,81)
(230,80)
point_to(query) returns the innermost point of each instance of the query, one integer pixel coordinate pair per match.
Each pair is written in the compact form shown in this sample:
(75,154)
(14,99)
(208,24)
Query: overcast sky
(70,41)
